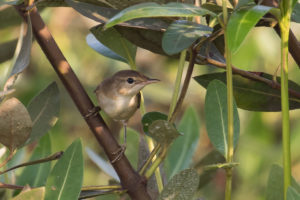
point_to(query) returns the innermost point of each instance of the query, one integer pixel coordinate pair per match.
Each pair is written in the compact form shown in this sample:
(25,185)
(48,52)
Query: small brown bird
(119,97)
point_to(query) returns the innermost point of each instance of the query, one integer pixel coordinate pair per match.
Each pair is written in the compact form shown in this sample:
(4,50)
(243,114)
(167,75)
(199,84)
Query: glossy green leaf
(241,22)
(295,17)
(275,184)
(216,116)
(102,49)
(253,95)
(182,150)
(36,175)
(163,131)
(31,194)
(15,123)
(182,186)
(44,109)
(23,51)
(117,43)
(156,10)
(150,117)
(292,194)
(21,57)
(104,165)
(181,34)
(65,179)
(93,10)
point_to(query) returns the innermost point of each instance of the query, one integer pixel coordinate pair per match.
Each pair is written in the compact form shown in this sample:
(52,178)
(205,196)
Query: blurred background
(259,145)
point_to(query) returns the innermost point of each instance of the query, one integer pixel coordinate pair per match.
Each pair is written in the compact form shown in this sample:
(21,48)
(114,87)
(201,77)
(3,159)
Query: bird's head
(130,82)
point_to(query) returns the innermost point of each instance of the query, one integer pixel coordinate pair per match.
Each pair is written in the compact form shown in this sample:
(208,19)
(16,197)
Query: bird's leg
(122,149)
(92,112)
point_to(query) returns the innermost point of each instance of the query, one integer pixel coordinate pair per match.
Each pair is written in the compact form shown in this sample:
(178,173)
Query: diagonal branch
(130,179)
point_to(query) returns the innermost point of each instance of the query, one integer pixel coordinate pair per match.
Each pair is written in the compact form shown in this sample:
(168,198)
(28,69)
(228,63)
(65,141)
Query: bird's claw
(92,112)
(119,153)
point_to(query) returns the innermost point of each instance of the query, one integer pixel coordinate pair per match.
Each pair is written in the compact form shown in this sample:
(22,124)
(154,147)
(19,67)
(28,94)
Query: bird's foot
(119,153)
(92,112)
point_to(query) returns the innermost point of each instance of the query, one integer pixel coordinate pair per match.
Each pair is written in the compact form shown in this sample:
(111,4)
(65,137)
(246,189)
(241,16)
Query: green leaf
(241,22)
(150,117)
(44,110)
(292,194)
(253,95)
(92,11)
(182,150)
(181,34)
(102,49)
(295,17)
(163,131)
(15,123)
(114,41)
(31,194)
(65,179)
(102,164)
(182,186)
(275,184)
(156,10)
(22,54)
(36,175)
(216,116)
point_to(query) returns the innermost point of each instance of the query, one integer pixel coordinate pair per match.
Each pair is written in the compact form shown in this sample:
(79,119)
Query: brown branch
(130,179)
(249,75)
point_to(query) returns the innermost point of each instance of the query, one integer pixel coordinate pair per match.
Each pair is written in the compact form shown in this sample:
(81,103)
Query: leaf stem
(229,155)
(150,158)
(101,187)
(284,23)
(157,161)
(177,83)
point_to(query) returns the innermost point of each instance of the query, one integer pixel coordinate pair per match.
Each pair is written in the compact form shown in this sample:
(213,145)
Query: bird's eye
(130,80)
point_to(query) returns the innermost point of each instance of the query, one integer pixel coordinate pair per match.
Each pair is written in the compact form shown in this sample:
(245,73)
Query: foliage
(203,35)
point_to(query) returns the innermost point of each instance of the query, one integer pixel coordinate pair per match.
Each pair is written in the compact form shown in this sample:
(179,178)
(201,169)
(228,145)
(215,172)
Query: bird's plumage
(119,95)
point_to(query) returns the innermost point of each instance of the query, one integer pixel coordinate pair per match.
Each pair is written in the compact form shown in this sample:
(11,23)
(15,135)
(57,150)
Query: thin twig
(12,187)
(249,75)
(54,156)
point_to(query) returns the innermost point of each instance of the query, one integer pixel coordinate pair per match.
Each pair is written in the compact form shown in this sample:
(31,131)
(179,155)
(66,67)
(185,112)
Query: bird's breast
(118,107)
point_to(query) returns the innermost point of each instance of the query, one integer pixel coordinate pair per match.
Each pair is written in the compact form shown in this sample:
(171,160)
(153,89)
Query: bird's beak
(151,80)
